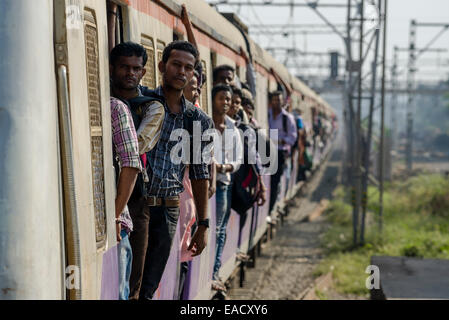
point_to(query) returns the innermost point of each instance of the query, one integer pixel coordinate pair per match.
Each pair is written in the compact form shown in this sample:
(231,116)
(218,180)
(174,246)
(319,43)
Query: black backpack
(190,115)
(245,180)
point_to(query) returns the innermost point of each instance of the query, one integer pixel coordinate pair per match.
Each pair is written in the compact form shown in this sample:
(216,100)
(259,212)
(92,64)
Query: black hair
(196,74)
(247,102)
(245,86)
(128,49)
(237,91)
(203,79)
(273,94)
(182,46)
(223,67)
(218,88)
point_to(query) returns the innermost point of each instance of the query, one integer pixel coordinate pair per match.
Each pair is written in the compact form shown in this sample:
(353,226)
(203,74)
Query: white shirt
(229,150)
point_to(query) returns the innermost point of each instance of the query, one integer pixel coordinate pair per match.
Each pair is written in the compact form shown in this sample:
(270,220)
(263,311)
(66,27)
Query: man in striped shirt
(165,178)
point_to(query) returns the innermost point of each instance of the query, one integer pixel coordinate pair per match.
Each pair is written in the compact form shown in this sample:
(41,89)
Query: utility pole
(396,88)
(382,118)
(410,88)
(394,98)
(411,85)
(367,142)
(350,124)
(358,130)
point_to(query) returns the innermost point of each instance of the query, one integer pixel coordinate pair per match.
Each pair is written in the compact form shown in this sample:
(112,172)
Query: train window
(149,80)
(96,128)
(160,50)
(204,90)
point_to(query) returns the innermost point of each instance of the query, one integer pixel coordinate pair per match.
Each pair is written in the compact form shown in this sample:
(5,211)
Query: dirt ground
(284,271)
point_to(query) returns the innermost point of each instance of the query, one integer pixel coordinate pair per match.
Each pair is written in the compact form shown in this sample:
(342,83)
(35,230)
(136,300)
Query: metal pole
(382,117)
(367,148)
(410,88)
(394,98)
(351,172)
(358,145)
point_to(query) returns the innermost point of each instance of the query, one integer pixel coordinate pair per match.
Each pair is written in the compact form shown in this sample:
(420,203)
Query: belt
(171,202)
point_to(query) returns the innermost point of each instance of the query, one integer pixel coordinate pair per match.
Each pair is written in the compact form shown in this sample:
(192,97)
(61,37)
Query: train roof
(210,21)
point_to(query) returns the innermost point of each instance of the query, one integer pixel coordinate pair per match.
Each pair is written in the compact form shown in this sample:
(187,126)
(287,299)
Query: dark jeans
(161,231)
(275,179)
(154,254)
(184,269)
(140,215)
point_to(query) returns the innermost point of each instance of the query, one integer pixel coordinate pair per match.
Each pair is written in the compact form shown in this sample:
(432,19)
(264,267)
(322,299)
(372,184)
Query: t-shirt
(299,123)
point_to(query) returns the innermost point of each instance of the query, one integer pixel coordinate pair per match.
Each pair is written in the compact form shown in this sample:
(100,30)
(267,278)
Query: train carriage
(57,190)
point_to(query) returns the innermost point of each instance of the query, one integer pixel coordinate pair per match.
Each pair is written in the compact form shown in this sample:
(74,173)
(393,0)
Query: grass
(415,224)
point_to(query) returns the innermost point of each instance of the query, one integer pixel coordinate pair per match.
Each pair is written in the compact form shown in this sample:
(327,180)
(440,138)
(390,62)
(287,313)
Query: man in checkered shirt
(165,176)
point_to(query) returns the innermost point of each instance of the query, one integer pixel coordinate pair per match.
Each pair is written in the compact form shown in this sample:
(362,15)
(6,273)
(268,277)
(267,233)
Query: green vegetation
(415,224)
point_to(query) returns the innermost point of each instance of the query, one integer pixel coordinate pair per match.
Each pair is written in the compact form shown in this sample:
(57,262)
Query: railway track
(284,269)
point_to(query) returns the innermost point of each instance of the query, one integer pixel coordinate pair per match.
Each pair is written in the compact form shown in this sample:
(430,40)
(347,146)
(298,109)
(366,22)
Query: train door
(81,48)
(31,250)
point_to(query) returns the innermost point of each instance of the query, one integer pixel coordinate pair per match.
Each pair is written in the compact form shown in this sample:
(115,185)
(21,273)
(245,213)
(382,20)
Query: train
(57,185)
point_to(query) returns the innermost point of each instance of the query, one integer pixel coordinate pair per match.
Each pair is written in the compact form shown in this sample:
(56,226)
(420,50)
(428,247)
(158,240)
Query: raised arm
(188,25)
(250,73)
(286,85)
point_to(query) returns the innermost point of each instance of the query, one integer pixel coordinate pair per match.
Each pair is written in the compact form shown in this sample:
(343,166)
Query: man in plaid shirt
(126,152)
(157,212)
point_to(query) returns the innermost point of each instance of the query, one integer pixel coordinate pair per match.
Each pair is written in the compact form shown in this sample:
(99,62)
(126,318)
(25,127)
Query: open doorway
(115,24)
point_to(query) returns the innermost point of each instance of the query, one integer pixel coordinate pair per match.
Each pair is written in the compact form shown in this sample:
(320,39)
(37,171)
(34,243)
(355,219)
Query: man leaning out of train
(229,157)
(127,67)
(127,164)
(282,121)
(164,175)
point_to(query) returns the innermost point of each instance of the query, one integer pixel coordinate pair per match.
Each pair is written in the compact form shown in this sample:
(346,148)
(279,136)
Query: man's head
(221,99)
(248,106)
(224,74)
(127,65)
(276,100)
(236,102)
(191,92)
(179,60)
(203,81)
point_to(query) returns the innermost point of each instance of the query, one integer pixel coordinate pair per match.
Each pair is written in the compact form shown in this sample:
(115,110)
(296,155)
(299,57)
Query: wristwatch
(204,222)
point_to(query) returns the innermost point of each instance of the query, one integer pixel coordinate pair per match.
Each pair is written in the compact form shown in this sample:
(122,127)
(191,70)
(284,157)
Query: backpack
(246,181)
(190,115)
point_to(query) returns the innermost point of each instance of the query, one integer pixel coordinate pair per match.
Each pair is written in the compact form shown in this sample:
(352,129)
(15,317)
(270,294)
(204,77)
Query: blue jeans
(275,180)
(125,258)
(223,197)
(288,172)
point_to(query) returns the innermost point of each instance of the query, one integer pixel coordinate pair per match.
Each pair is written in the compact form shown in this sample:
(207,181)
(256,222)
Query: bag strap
(188,118)
(284,123)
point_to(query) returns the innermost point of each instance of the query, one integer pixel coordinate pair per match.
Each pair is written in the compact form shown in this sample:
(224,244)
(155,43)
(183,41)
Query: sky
(432,66)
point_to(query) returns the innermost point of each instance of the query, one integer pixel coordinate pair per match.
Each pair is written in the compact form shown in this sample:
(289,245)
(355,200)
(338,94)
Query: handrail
(70,200)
